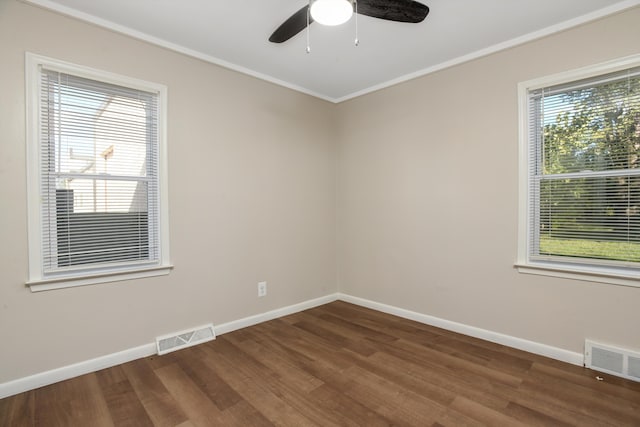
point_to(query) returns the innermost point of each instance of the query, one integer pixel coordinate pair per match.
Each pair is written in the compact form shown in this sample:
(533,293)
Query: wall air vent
(613,360)
(183,339)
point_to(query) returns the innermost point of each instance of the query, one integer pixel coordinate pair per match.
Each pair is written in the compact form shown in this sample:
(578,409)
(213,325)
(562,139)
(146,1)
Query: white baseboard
(273,314)
(508,340)
(66,372)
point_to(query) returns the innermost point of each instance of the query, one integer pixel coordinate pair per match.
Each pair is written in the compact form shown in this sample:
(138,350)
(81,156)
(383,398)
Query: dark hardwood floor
(338,364)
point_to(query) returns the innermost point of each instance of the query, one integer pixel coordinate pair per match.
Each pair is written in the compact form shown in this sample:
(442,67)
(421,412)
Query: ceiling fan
(392,10)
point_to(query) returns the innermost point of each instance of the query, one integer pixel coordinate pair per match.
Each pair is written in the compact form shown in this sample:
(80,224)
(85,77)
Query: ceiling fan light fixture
(331,12)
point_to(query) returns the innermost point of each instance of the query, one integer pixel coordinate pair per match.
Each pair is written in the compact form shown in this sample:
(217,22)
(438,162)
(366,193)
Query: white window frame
(37,280)
(524,263)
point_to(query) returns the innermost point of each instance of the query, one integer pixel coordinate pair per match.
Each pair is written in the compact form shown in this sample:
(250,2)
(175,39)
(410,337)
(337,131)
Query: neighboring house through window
(97,176)
(580,174)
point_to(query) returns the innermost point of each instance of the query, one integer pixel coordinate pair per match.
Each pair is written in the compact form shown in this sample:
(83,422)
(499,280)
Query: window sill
(609,276)
(96,278)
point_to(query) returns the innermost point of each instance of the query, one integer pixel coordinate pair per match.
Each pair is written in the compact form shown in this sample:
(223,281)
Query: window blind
(99,174)
(584,171)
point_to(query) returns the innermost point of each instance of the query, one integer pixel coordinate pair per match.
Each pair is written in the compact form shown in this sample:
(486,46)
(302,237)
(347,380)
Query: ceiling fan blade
(292,26)
(394,10)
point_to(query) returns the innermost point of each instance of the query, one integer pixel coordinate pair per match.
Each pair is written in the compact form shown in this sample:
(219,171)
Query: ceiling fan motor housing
(408,11)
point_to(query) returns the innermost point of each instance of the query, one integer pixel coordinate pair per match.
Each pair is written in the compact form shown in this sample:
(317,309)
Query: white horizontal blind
(99,174)
(584,171)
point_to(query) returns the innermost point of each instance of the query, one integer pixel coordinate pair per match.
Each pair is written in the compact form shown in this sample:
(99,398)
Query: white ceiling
(234,33)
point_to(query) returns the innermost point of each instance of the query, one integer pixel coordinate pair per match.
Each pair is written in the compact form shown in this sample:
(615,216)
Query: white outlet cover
(262,289)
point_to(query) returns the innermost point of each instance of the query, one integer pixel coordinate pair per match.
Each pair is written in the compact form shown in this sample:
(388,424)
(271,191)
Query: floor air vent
(178,340)
(613,360)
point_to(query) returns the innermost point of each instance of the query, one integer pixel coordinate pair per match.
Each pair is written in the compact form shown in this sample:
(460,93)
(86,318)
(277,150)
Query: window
(580,172)
(97,179)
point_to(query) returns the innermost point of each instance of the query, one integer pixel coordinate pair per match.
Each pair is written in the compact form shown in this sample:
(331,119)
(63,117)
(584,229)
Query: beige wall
(428,198)
(426,201)
(262,208)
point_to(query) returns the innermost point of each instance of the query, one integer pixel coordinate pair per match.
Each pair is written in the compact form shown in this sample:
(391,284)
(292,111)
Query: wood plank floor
(338,364)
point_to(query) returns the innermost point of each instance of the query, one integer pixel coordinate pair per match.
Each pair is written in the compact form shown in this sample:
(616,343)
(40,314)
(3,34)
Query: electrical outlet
(262,289)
